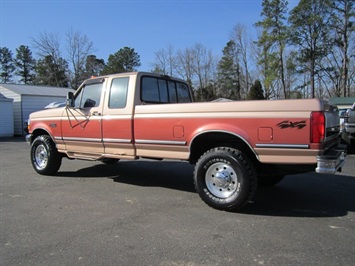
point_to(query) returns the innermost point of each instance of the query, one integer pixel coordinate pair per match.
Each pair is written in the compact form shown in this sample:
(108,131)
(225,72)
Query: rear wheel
(225,178)
(45,158)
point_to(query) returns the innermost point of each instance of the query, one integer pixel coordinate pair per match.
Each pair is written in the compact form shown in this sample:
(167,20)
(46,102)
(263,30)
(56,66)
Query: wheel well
(38,132)
(207,141)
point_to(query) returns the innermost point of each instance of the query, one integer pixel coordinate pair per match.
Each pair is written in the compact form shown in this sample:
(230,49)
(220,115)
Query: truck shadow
(169,174)
(306,195)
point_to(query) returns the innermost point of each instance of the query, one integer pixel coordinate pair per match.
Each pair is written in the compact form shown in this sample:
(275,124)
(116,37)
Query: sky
(145,25)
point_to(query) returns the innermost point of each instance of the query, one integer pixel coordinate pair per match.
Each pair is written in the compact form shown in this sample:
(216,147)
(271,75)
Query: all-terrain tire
(45,158)
(225,178)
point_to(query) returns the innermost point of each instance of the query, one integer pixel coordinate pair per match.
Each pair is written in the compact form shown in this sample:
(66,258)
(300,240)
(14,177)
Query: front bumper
(28,139)
(332,161)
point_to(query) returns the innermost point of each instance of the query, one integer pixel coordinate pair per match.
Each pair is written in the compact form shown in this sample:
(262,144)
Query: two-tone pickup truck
(234,145)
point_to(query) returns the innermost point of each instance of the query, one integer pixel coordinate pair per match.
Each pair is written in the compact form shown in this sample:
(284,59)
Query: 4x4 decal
(289,124)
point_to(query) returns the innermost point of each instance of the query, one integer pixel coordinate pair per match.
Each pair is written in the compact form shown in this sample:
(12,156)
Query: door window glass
(118,93)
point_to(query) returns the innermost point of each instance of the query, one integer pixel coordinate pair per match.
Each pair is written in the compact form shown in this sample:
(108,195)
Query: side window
(159,90)
(150,90)
(89,96)
(183,93)
(118,93)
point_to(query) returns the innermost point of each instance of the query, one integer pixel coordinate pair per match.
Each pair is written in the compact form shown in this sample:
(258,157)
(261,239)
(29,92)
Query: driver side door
(81,124)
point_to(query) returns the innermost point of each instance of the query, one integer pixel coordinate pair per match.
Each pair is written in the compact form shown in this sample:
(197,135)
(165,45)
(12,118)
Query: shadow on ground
(304,195)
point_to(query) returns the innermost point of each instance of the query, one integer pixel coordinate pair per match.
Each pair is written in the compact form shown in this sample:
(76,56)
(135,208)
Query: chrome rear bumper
(332,161)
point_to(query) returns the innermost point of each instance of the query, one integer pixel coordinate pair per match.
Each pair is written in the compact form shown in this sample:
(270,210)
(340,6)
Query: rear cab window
(164,90)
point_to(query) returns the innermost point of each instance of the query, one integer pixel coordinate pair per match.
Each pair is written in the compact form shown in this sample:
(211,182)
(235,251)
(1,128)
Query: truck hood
(47,113)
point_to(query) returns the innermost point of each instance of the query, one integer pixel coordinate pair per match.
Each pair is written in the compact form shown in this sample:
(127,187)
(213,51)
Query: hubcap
(221,180)
(41,157)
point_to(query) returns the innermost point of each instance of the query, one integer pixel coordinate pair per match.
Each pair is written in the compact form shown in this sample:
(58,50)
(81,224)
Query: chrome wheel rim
(41,156)
(221,180)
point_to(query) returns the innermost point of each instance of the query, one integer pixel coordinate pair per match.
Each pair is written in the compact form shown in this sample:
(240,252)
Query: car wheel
(225,178)
(44,156)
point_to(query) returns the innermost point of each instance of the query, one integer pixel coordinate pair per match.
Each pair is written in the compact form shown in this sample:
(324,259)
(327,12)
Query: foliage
(125,60)
(309,27)
(93,66)
(272,43)
(256,91)
(25,64)
(229,74)
(52,72)
(6,65)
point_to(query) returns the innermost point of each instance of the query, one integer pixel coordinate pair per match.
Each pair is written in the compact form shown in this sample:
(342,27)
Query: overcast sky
(145,25)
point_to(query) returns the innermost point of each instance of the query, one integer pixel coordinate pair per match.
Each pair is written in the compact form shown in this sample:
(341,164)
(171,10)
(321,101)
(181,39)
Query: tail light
(317,127)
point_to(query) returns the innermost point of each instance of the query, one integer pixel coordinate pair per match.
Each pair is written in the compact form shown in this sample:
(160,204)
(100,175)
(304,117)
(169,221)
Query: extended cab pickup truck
(234,145)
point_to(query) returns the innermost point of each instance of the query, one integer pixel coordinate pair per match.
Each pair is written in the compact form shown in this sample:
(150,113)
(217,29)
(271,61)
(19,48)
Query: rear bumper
(332,161)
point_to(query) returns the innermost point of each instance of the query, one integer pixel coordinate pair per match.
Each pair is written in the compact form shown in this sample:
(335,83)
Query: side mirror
(70,102)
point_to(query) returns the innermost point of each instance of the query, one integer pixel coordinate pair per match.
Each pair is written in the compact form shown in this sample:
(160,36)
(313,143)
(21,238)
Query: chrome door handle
(95,113)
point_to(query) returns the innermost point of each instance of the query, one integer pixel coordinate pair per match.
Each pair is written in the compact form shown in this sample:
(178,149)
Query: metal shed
(6,117)
(28,99)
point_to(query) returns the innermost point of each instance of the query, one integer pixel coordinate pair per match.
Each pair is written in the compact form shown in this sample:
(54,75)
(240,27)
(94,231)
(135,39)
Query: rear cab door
(117,120)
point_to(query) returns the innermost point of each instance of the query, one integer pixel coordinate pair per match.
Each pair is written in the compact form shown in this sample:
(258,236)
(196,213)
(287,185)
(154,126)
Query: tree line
(306,52)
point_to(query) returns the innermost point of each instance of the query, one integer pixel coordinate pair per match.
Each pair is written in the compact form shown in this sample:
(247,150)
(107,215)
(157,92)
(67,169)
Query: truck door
(81,125)
(117,122)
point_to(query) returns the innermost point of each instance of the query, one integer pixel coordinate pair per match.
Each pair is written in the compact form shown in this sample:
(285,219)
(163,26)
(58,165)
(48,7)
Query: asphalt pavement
(147,213)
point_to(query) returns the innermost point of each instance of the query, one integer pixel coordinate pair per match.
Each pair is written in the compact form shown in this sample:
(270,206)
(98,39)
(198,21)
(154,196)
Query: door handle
(95,113)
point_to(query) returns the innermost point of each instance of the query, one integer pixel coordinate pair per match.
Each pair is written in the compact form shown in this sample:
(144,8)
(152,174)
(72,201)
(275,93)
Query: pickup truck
(348,132)
(234,145)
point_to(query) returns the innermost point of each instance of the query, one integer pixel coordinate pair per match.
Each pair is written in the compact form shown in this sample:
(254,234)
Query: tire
(225,178)
(268,181)
(109,160)
(45,158)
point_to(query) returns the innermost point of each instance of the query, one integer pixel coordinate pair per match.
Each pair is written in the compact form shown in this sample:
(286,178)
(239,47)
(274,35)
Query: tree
(256,91)
(93,66)
(78,47)
(274,37)
(125,60)
(6,65)
(165,61)
(309,28)
(25,64)
(50,73)
(48,44)
(343,11)
(229,74)
(240,37)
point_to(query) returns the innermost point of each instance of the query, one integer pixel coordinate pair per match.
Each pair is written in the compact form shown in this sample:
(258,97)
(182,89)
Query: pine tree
(50,73)
(125,60)
(256,91)
(7,66)
(273,39)
(229,74)
(25,64)
(309,30)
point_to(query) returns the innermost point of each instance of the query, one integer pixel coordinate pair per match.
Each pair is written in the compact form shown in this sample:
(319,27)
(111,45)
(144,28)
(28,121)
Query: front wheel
(45,158)
(225,178)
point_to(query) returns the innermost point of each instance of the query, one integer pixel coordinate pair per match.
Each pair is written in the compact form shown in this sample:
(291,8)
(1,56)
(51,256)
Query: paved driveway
(147,213)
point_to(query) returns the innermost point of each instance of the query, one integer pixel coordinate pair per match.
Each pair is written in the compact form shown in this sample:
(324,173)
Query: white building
(28,99)
(6,117)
